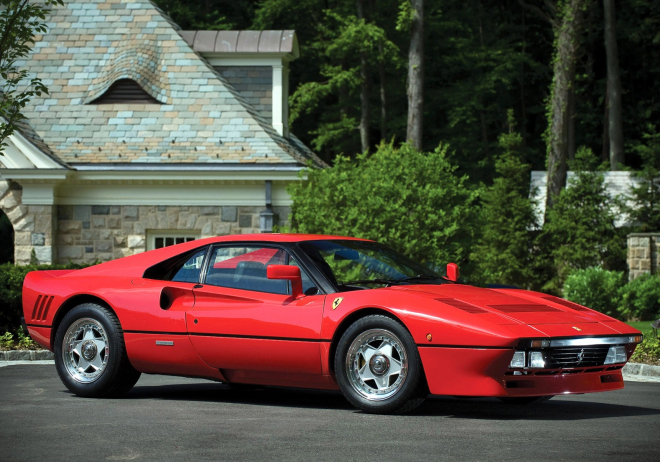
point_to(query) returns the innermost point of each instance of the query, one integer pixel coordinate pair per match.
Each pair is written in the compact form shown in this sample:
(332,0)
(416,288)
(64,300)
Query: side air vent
(527,308)
(41,307)
(462,305)
(566,303)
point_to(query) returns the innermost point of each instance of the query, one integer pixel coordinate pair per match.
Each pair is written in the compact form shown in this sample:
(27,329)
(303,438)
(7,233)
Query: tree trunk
(605,155)
(416,76)
(523,104)
(383,96)
(567,40)
(571,124)
(365,90)
(615,129)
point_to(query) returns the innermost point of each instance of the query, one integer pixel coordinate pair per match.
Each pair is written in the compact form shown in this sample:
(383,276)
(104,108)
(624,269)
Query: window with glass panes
(158,240)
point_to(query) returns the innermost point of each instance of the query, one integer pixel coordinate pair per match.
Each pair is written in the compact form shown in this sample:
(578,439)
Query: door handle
(198,286)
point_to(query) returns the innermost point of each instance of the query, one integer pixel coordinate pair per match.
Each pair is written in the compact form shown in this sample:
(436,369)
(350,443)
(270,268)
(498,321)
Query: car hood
(547,314)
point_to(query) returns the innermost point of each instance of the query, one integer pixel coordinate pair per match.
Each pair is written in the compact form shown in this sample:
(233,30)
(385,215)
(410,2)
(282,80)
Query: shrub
(595,288)
(504,252)
(579,230)
(641,298)
(11,287)
(647,352)
(412,201)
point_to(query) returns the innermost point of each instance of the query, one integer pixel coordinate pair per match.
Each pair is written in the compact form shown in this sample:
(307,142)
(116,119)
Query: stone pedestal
(643,254)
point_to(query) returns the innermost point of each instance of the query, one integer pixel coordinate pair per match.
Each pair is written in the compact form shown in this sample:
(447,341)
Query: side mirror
(290,273)
(452,272)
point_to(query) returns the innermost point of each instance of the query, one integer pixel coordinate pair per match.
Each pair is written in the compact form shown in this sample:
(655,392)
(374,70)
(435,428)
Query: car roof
(135,265)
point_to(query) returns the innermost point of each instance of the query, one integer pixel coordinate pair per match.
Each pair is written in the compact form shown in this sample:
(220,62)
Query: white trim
(254,59)
(32,154)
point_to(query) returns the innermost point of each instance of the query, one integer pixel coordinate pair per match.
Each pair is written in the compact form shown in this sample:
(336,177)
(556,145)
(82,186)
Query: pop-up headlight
(518,360)
(616,355)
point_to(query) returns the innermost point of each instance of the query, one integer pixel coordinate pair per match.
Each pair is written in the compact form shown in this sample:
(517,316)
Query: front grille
(575,356)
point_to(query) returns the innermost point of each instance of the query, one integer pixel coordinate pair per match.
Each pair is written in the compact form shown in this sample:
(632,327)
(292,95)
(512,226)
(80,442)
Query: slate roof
(201,118)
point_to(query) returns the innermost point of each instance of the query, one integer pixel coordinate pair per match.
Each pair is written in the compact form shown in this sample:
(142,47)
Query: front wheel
(378,367)
(90,355)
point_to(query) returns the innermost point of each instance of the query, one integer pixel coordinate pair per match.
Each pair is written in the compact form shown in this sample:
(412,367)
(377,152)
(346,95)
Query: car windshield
(362,264)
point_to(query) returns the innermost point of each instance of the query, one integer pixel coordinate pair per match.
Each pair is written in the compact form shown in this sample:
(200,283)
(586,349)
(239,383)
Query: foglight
(615,355)
(536,359)
(518,360)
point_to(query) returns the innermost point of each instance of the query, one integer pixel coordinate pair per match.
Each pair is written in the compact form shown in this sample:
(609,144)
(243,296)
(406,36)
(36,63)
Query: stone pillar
(643,254)
(33,225)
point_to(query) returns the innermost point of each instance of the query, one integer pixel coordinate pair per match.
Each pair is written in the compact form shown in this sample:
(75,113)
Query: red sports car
(322,312)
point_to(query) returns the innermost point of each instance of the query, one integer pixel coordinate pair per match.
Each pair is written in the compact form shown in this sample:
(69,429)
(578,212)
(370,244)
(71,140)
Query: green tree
(645,197)
(504,251)
(580,230)
(412,201)
(20,20)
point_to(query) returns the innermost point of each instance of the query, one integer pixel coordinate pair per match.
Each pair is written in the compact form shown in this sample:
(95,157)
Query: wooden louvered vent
(125,91)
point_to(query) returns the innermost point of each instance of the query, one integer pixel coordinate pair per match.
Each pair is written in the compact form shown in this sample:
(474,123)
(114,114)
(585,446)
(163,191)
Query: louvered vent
(125,91)
(462,305)
(566,303)
(41,306)
(527,308)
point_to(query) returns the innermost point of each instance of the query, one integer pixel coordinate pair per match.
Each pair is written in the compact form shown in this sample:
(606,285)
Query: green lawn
(644,326)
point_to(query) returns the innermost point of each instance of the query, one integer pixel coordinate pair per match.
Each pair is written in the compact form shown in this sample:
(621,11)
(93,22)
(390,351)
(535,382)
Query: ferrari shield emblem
(337,302)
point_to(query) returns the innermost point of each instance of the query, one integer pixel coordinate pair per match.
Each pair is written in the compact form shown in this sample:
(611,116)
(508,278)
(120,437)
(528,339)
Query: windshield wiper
(418,277)
(370,281)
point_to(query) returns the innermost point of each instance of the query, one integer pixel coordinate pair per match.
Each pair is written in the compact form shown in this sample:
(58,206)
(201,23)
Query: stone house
(150,135)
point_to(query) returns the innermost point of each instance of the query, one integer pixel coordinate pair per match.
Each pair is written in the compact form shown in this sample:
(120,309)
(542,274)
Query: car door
(250,326)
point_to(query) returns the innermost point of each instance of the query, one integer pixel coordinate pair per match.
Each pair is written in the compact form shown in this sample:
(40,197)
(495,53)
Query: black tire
(404,397)
(526,399)
(100,337)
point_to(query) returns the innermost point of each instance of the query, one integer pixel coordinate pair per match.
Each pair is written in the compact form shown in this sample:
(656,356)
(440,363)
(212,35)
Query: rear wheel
(378,367)
(526,399)
(90,354)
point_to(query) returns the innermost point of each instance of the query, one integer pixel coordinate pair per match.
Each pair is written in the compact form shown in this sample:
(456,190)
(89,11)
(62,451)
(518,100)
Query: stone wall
(255,83)
(87,233)
(33,226)
(643,254)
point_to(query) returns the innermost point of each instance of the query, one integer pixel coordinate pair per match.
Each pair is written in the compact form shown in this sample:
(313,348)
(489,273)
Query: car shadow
(558,408)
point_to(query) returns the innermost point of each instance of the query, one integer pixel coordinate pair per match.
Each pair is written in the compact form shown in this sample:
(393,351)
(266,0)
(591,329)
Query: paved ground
(166,418)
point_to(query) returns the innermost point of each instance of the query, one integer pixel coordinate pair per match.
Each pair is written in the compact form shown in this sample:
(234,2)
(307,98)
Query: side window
(181,268)
(190,270)
(244,267)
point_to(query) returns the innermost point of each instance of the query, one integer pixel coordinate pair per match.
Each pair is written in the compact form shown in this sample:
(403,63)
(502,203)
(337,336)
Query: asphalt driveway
(168,418)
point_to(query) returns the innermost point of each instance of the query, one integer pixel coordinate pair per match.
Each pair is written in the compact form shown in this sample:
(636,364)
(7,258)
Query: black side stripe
(474,347)
(256,337)
(38,325)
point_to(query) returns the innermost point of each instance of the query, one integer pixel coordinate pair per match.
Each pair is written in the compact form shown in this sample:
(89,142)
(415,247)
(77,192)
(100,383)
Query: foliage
(11,286)
(210,14)
(596,288)
(647,352)
(21,341)
(580,229)
(412,201)
(20,21)
(640,298)
(504,251)
(645,197)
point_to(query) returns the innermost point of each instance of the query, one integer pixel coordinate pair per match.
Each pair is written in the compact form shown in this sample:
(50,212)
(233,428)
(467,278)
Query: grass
(644,326)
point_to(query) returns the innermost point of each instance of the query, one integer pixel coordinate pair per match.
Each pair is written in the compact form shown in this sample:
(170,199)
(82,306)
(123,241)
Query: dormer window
(125,91)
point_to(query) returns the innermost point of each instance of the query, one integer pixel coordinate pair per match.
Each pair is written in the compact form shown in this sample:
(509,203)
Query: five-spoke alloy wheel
(378,368)
(90,355)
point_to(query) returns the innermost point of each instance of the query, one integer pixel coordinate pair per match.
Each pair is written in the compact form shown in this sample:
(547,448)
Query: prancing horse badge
(337,302)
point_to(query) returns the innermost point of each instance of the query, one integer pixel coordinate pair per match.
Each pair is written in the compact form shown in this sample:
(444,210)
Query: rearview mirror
(452,272)
(290,273)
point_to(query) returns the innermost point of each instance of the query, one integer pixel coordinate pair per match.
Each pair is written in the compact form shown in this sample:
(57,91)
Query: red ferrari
(322,312)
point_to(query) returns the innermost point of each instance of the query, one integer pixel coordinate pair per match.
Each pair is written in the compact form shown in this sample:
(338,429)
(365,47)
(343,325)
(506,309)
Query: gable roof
(202,119)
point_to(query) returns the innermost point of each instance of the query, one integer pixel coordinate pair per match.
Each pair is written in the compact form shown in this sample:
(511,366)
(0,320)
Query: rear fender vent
(41,307)
(462,305)
(527,308)
(566,303)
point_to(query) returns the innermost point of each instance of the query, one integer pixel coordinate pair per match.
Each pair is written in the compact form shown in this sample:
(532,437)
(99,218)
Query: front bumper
(485,372)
